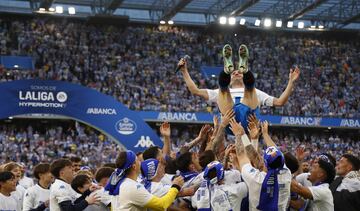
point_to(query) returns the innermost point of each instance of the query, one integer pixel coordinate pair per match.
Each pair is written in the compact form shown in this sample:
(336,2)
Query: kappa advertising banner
(81,103)
(200,117)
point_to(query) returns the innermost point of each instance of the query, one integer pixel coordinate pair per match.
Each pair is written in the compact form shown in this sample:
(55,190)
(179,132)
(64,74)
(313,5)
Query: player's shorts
(242,113)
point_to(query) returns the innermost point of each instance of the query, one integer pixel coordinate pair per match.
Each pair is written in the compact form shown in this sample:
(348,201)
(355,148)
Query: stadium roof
(333,14)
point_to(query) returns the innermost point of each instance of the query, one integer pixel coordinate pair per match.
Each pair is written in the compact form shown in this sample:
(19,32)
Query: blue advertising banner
(81,103)
(199,117)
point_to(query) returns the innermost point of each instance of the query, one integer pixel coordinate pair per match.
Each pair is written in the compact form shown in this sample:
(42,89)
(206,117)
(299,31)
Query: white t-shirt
(159,189)
(230,177)
(61,191)
(303,179)
(254,179)
(322,198)
(264,99)
(8,203)
(222,197)
(18,195)
(132,197)
(35,196)
(26,182)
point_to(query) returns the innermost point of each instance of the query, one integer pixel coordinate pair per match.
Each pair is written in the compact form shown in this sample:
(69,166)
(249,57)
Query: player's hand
(230,149)
(165,129)
(265,127)
(225,119)
(179,181)
(236,128)
(215,121)
(93,198)
(253,127)
(300,153)
(205,130)
(183,64)
(294,74)
(46,203)
(94,187)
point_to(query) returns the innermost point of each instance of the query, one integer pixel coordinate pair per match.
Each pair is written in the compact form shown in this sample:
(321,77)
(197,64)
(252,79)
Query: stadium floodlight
(257,22)
(242,21)
(59,9)
(162,22)
(321,26)
(222,20)
(312,26)
(41,9)
(278,24)
(301,25)
(71,10)
(16,66)
(290,24)
(51,9)
(232,21)
(170,22)
(213,75)
(267,22)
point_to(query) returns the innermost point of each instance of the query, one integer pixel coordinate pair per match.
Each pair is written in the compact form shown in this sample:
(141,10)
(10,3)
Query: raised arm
(220,135)
(241,139)
(202,135)
(165,131)
(251,150)
(293,76)
(265,132)
(190,83)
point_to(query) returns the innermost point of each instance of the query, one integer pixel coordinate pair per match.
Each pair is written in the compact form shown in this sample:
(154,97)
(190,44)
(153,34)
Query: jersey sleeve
(264,98)
(252,175)
(213,95)
(319,192)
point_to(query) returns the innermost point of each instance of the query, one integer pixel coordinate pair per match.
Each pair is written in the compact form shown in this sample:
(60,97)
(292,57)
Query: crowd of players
(206,173)
(112,59)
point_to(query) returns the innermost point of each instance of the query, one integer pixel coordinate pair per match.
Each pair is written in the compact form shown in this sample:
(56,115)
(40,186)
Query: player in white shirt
(19,193)
(267,190)
(237,87)
(25,181)
(37,197)
(128,194)
(322,173)
(7,186)
(62,196)
(214,194)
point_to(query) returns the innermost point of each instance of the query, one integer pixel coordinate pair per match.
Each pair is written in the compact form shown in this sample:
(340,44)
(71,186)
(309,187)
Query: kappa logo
(145,142)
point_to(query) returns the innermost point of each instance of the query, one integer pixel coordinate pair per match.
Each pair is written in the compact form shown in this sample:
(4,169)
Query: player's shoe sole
(243,58)
(227,55)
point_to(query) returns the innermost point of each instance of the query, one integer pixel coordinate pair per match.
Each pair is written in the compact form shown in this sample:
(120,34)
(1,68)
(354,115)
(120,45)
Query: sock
(224,80)
(249,80)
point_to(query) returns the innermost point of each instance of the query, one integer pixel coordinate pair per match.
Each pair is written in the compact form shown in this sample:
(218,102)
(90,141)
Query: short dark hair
(103,172)
(41,168)
(331,158)
(206,157)
(6,175)
(79,181)
(170,167)
(354,161)
(183,161)
(151,152)
(291,162)
(121,160)
(111,165)
(329,170)
(75,159)
(57,165)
